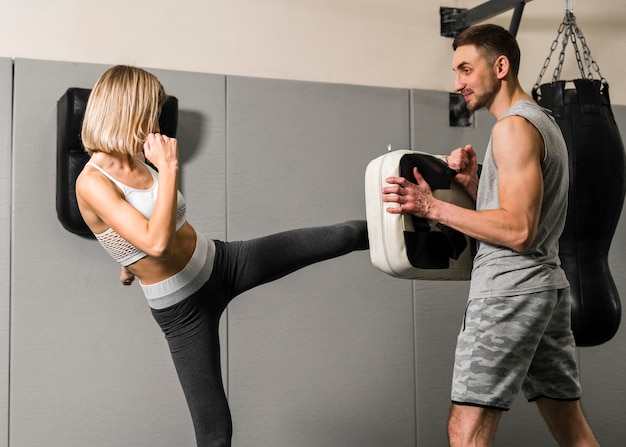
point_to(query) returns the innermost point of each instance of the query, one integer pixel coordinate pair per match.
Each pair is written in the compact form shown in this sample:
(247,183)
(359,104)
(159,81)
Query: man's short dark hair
(492,41)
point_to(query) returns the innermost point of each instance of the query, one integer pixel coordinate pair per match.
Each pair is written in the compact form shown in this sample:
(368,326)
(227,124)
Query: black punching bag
(596,195)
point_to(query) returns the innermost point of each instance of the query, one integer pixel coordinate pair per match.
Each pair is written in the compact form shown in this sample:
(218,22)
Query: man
(516,333)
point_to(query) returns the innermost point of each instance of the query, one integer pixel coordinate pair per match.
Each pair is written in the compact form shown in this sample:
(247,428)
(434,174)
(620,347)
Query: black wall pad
(71,155)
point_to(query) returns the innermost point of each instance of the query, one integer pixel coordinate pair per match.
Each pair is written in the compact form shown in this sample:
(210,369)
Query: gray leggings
(191,326)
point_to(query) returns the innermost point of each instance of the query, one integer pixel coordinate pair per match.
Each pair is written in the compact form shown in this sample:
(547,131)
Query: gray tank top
(500,271)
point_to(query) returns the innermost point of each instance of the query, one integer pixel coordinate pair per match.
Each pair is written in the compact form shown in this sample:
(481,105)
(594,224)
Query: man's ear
(501,66)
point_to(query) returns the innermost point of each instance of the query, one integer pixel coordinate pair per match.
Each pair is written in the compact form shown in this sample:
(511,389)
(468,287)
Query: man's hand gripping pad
(410,247)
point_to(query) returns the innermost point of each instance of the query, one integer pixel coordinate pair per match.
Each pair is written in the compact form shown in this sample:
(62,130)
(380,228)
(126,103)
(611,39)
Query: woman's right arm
(162,152)
(102,204)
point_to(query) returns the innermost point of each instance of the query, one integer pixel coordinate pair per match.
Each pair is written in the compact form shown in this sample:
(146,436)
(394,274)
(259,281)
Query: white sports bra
(143,200)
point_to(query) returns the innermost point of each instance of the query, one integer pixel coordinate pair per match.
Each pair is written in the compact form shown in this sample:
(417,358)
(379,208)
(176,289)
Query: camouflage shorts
(512,343)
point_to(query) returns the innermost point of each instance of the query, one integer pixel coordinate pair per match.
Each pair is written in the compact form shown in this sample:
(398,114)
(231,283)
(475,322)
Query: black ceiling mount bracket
(455,20)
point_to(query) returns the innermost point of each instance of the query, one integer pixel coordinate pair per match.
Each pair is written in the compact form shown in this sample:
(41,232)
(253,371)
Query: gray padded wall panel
(6,95)
(337,354)
(89,365)
(324,356)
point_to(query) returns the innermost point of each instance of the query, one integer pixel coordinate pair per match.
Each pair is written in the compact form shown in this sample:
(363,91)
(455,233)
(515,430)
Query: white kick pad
(409,247)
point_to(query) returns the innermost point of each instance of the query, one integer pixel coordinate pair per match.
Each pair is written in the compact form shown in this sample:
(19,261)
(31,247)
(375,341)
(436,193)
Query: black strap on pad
(428,249)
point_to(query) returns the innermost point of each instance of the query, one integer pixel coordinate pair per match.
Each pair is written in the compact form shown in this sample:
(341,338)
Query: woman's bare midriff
(151,270)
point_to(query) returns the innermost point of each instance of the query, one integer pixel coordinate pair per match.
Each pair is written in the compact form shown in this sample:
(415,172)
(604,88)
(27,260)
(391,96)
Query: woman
(139,218)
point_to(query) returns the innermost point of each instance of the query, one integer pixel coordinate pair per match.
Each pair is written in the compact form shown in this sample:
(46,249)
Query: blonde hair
(123,108)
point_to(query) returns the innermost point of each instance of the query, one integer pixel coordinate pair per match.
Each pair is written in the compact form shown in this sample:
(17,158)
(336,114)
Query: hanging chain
(555,43)
(588,58)
(569,31)
(575,44)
